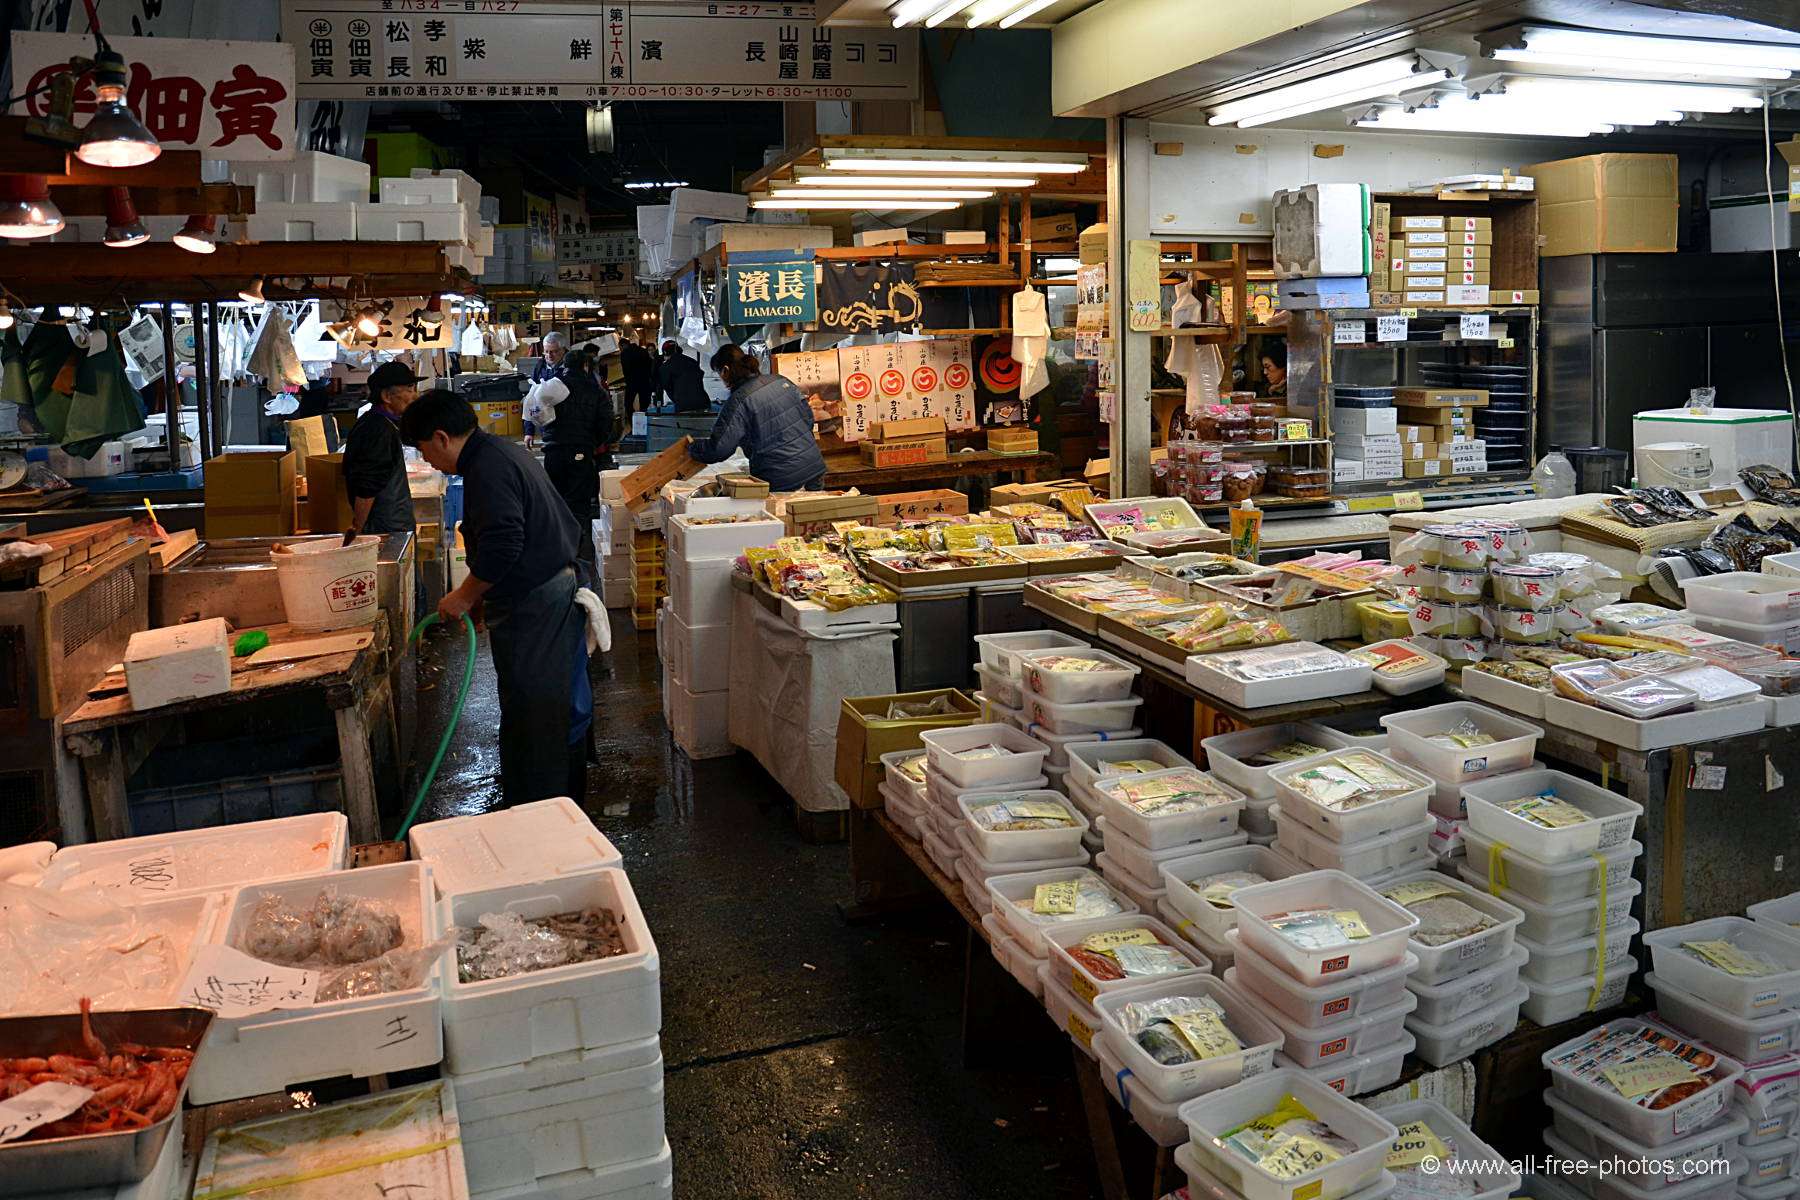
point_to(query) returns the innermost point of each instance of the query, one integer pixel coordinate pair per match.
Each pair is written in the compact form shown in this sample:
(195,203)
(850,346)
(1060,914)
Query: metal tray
(68,1164)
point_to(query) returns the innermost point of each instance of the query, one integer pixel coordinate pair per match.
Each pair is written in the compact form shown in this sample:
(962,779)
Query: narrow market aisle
(804,1056)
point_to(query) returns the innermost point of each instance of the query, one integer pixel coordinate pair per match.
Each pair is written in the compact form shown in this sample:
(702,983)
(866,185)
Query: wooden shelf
(962,332)
(979,283)
(1205,333)
(163,271)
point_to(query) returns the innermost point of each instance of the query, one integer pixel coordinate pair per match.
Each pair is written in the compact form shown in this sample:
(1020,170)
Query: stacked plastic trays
(1088,761)
(1642,1093)
(1022,909)
(1148,818)
(1244,759)
(1198,886)
(1429,1130)
(1357,811)
(1457,744)
(1072,695)
(1001,671)
(1327,955)
(1087,960)
(1467,981)
(905,795)
(1559,850)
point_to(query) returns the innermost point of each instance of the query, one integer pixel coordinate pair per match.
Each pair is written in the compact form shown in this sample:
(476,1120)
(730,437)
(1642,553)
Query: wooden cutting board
(335,643)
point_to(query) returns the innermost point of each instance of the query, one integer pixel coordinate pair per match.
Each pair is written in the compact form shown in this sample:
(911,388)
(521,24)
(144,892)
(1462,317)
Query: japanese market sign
(230,100)
(899,381)
(403,324)
(585,50)
(616,246)
(775,288)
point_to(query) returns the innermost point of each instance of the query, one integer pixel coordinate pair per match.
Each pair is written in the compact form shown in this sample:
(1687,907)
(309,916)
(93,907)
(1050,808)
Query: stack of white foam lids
(1090,958)
(1558,849)
(1646,1093)
(196,862)
(558,1072)
(1328,958)
(1148,818)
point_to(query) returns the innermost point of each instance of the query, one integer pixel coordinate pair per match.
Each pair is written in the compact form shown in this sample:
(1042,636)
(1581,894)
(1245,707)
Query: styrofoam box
(1372,1072)
(197,861)
(1021,845)
(1773,1125)
(1744,996)
(1210,1117)
(1443,1003)
(1411,735)
(1112,682)
(1321,231)
(1366,859)
(610,1119)
(1067,973)
(302,223)
(1181,872)
(495,1022)
(1058,743)
(1145,865)
(1312,1045)
(1067,1013)
(701,589)
(1174,829)
(189,922)
(1651,1127)
(1204,673)
(1225,753)
(1601,1186)
(1782,711)
(507,1089)
(1389,925)
(247,1056)
(642,1179)
(1441,1045)
(1504,693)
(310,177)
(1452,960)
(1148,899)
(1781,914)
(1578,956)
(1257,1035)
(690,541)
(1751,1039)
(1009,954)
(1549,883)
(1088,761)
(1100,716)
(1597,1139)
(701,654)
(1012,895)
(1489,1184)
(942,747)
(1001,651)
(412,223)
(1159,1119)
(427,189)
(1615,817)
(523,844)
(1745,597)
(1553,1003)
(1316,1005)
(702,722)
(1676,729)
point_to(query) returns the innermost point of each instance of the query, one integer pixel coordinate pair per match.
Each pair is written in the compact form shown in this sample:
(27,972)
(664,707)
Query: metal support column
(171,388)
(202,385)
(1128,153)
(218,405)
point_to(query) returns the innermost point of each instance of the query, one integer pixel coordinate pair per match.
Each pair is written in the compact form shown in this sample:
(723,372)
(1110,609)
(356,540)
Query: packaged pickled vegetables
(1649,1068)
(1658,662)
(1217,889)
(1443,916)
(1349,780)
(1276,662)
(1129,766)
(1287,752)
(1179,1029)
(1734,959)
(1070,664)
(1128,954)
(1073,900)
(1015,813)
(1169,793)
(1519,671)
(1546,810)
(983,753)
(1288,1142)
(1645,696)
(1236,635)
(1320,928)
(913,767)
(1465,735)
(1582,681)
(1394,660)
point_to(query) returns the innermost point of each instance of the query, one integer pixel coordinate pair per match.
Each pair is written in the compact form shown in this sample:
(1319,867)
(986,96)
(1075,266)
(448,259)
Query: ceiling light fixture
(952,162)
(933,193)
(843,179)
(7,320)
(1672,57)
(945,12)
(1462,114)
(1689,97)
(1029,9)
(26,210)
(653,184)
(908,11)
(368,321)
(199,235)
(1383,77)
(857,205)
(433,316)
(123,228)
(252,292)
(114,137)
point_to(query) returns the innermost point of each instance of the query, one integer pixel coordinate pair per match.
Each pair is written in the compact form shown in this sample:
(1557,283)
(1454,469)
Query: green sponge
(249,643)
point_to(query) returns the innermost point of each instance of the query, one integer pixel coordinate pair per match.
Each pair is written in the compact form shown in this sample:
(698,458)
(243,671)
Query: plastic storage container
(1145,865)
(1058,743)
(1371,1072)
(1259,1036)
(1781,914)
(1547,883)
(1443,1044)
(1158,1118)
(198,861)
(1111,682)
(1552,1003)
(969,859)
(1746,597)
(1312,1045)
(1179,873)
(1773,1125)
(1066,973)
(1388,924)
(1732,990)
(1572,959)
(1399,811)
(1163,832)
(1102,716)
(1220,675)
(1310,1005)
(1750,1039)
(1211,1116)
(1001,651)
(903,784)
(1452,960)
(1008,953)
(1148,899)
(1443,1003)
(1001,689)
(1087,760)
(1597,1139)
(1550,924)
(1514,746)
(1226,753)
(1012,897)
(1365,859)
(1650,1127)
(1614,1187)
(1613,816)
(1024,760)
(1489,1185)
(945,797)
(1069,1014)
(1022,845)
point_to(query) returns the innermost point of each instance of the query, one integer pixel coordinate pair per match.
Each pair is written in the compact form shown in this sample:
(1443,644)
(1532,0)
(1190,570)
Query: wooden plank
(359,773)
(174,546)
(643,484)
(221,199)
(166,262)
(310,648)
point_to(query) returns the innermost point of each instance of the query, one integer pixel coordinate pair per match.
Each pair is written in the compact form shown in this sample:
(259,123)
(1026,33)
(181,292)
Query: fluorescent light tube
(1029,9)
(1683,57)
(794,193)
(945,162)
(859,205)
(1383,77)
(839,179)
(946,12)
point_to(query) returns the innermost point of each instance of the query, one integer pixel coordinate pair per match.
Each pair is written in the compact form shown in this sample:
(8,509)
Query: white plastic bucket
(327,585)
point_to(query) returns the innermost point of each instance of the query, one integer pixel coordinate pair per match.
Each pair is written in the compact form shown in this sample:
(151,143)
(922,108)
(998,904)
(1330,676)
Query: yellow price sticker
(1205,1031)
(1351,922)
(1364,504)
(1409,312)
(1080,1030)
(1726,957)
(1415,1144)
(1505,343)
(1055,899)
(1408,501)
(1648,1075)
(1408,894)
(1102,943)
(1083,987)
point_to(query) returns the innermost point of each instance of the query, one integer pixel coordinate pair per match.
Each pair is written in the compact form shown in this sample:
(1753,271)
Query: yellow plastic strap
(1606,773)
(1599,934)
(269,1185)
(1496,868)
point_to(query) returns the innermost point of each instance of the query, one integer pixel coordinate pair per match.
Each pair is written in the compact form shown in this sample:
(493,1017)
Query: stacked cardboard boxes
(906,443)
(1439,259)
(1364,435)
(650,576)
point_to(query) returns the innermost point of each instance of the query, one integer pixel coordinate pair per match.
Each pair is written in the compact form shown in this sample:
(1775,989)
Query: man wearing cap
(374,464)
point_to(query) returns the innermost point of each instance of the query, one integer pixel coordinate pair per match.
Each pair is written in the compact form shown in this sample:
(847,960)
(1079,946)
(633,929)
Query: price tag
(1080,1030)
(1106,943)
(1415,1144)
(1648,1075)
(1055,899)
(1408,501)
(1040,810)
(1205,1031)
(1296,1157)
(1408,894)
(40,1105)
(1409,312)
(1506,343)
(1219,894)
(1349,333)
(232,984)
(1392,329)
(1475,325)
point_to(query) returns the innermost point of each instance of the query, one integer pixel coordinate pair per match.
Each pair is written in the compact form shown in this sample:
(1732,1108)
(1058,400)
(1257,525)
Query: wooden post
(1240,288)
(104,775)
(359,773)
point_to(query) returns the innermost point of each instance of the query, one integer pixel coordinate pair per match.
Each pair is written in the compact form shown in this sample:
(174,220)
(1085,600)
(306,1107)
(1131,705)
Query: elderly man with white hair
(556,348)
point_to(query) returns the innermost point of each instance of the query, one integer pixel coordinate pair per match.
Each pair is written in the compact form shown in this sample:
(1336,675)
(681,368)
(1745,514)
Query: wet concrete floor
(805,1056)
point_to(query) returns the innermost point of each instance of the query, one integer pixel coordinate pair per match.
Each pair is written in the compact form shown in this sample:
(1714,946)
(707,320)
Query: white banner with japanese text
(403,324)
(230,100)
(586,50)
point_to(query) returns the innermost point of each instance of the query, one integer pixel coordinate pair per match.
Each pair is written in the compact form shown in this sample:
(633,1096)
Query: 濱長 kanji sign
(591,50)
(780,289)
(231,100)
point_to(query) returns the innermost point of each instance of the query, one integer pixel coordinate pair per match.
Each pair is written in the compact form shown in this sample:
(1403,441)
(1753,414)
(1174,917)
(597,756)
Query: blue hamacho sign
(771,287)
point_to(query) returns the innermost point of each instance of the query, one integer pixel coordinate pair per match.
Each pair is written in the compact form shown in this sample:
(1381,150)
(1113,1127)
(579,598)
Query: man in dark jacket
(374,465)
(573,444)
(640,375)
(679,379)
(770,419)
(522,543)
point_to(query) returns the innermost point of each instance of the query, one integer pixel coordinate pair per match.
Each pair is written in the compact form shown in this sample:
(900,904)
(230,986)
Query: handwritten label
(1054,899)
(1726,957)
(1475,325)
(1205,1031)
(1349,333)
(1415,1144)
(1506,343)
(1351,922)
(1408,894)
(1297,1156)
(1080,1030)
(1103,943)
(152,873)
(1648,1075)
(40,1105)
(1408,501)
(230,983)
(1390,329)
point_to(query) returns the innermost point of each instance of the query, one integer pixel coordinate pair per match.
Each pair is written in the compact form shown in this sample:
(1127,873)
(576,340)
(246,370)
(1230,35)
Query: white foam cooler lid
(531,842)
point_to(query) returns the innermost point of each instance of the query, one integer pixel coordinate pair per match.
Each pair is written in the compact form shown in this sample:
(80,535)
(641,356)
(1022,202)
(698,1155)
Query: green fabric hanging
(105,406)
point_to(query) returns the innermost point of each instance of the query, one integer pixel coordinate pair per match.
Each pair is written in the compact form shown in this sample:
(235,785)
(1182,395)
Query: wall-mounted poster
(953,365)
(868,297)
(857,371)
(997,382)
(816,375)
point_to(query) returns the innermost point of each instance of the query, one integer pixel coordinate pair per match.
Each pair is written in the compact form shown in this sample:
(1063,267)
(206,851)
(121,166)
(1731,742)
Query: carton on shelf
(1608,204)
(964,237)
(1090,247)
(913,506)
(327,499)
(1441,222)
(881,237)
(866,732)
(250,493)
(1012,439)
(907,430)
(1058,228)
(1441,397)
(178,662)
(811,512)
(909,452)
(1430,468)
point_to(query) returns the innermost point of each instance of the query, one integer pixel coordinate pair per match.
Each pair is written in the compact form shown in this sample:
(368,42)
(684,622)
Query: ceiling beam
(217,199)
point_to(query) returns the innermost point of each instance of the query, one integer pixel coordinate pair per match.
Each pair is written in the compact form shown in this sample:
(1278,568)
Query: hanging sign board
(620,246)
(778,290)
(868,297)
(580,50)
(403,325)
(229,100)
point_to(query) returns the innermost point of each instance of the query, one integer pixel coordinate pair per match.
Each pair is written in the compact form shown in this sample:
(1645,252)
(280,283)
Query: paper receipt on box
(1408,894)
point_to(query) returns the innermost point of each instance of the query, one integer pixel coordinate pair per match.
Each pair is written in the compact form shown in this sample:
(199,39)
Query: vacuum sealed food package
(1128,954)
(1582,681)
(1231,636)
(1516,671)
(1073,900)
(1012,814)
(1257,665)
(1620,1061)
(1645,696)
(333,930)
(1443,916)
(1217,889)
(1349,780)
(1320,928)
(1288,1141)
(1546,810)
(1175,1030)
(1734,959)
(1441,1180)
(1286,752)
(1170,792)
(1463,735)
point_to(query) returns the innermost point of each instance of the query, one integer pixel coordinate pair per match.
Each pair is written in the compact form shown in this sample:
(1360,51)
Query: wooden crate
(645,484)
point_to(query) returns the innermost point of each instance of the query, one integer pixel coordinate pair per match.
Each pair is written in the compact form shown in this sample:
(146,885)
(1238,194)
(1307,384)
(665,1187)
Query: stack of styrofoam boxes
(312,198)
(653,246)
(690,211)
(1202,912)
(1572,883)
(1023,909)
(1341,1004)
(650,576)
(424,208)
(1375,842)
(1411,740)
(1468,988)
(1071,987)
(1001,671)
(1017,767)
(511,260)
(618,573)
(696,674)
(1365,431)
(697,599)
(1230,755)
(558,1072)
(1139,839)
(472,257)
(1655,1147)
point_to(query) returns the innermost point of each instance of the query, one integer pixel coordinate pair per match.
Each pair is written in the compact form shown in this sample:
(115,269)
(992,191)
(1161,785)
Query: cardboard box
(1404,256)
(916,427)
(811,512)
(1432,297)
(910,452)
(1362,422)
(1430,468)
(1415,433)
(1346,470)
(1059,227)
(1468,294)
(1463,237)
(1012,439)
(644,486)
(1029,493)
(1441,222)
(1608,204)
(250,493)
(1425,264)
(178,662)
(1380,240)
(965,237)
(1416,451)
(915,506)
(736,485)
(881,237)
(1090,247)
(1513,296)
(327,499)
(1441,397)
(866,732)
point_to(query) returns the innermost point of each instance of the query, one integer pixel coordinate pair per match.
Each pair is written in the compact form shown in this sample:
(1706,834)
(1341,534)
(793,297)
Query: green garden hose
(449,730)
